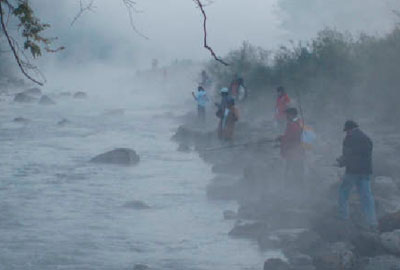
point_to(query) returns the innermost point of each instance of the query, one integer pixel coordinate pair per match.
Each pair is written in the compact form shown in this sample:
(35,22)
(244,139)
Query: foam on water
(57,211)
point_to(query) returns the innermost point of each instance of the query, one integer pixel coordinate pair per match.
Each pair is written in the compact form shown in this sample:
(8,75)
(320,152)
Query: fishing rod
(226,147)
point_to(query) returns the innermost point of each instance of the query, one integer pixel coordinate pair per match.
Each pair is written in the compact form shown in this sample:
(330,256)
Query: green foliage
(32,28)
(334,73)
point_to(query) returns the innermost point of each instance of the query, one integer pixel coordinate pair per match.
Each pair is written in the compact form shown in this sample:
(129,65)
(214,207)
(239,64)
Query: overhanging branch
(201,7)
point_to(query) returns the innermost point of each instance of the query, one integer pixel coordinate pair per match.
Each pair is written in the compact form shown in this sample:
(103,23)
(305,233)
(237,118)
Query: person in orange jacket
(292,149)
(282,104)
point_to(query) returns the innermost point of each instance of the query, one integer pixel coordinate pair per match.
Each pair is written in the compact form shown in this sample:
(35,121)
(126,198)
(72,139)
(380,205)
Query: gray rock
(229,214)
(63,122)
(385,187)
(24,98)
(249,229)
(21,120)
(119,156)
(138,205)
(390,222)
(33,91)
(276,264)
(301,260)
(391,241)
(80,95)
(384,262)
(45,100)
(335,256)
(141,267)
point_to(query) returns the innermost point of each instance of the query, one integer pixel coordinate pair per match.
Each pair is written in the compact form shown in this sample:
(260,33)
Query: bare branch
(201,7)
(131,7)
(89,7)
(12,44)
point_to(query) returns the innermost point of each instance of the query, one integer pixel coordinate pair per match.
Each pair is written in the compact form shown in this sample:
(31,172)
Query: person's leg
(367,199)
(344,193)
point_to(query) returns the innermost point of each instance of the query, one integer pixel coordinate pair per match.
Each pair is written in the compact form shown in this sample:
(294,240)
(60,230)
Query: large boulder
(335,256)
(45,100)
(23,98)
(384,262)
(390,222)
(33,92)
(276,264)
(119,156)
(391,241)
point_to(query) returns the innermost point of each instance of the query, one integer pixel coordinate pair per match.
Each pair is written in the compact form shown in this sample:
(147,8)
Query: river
(58,211)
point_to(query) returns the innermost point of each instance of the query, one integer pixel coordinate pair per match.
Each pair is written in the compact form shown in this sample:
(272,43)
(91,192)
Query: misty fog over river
(58,211)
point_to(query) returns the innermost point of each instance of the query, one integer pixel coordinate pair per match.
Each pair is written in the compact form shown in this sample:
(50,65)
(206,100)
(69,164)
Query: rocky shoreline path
(300,222)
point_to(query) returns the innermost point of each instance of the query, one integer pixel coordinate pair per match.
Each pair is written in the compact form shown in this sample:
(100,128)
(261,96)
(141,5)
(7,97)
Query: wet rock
(385,186)
(276,264)
(184,148)
(45,100)
(33,91)
(222,191)
(249,229)
(367,244)
(390,222)
(80,95)
(21,120)
(141,267)
(335,256)
(391,241)
(138,205)
(115,112)
(384,262)
(229,214)
(65,94)
(304,241)
(63,122)
(119,156)
(24,98)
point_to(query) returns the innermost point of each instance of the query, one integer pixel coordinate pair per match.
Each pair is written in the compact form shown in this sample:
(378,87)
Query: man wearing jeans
(357,158)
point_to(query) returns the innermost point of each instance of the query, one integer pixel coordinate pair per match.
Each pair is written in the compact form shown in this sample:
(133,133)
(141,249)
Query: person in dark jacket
(357,159)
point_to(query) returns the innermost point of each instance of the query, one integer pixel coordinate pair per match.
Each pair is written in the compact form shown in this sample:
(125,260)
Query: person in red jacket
(282,104)
(292,149)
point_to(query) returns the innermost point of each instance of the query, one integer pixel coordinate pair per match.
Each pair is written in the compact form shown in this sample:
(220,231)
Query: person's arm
(194,96)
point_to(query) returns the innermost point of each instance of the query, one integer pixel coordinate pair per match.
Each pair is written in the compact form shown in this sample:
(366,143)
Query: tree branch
(89,7)
(201,7)
(130,6)
(11,43)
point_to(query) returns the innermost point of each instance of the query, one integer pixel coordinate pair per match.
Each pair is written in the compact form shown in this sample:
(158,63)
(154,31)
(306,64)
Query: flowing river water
(58,211)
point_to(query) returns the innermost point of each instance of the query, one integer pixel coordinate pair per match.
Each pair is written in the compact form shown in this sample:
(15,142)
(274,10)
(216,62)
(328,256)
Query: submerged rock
(276,264)
(63,122)
(119,156)
(45,100)
(138,205)
(33,91)
(80,95)
(23,98)
(21,120)
(141,267)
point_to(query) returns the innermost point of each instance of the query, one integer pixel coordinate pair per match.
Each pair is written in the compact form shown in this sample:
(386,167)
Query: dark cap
(292,111)
(350,124)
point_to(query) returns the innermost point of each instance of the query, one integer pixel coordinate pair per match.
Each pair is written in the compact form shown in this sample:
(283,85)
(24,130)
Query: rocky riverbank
(301,220)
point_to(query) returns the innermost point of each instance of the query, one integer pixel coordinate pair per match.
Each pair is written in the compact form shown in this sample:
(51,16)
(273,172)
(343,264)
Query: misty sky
(175,26)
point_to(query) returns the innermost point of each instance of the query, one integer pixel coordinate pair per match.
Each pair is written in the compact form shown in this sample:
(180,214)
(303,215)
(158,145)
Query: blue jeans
(364,190)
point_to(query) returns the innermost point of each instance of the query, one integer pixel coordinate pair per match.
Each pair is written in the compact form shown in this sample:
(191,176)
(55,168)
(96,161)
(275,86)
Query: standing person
(292,149)
(227,122)
(237,87)
(224,102)
(357,159)
(282,104)
(202,99)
